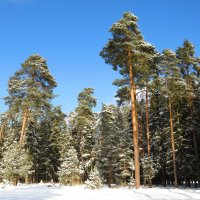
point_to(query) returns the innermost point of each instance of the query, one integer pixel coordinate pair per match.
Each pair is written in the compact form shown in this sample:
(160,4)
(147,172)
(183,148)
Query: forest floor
(56,192)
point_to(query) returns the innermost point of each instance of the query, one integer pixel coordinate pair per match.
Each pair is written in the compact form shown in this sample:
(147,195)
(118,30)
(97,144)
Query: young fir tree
(124,52)
(15,163)
(69,172)
(94,181)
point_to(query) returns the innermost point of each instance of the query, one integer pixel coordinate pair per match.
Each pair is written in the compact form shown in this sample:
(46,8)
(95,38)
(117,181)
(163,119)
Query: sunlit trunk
(134,122)
(22,132)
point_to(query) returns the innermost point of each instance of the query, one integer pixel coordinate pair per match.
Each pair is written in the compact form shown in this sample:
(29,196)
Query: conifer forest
(151,136)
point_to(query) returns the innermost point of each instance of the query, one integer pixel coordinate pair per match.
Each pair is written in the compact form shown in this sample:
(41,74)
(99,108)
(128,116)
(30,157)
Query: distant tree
(83,130)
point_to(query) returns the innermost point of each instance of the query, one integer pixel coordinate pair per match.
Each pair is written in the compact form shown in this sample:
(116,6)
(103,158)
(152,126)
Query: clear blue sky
(70,34)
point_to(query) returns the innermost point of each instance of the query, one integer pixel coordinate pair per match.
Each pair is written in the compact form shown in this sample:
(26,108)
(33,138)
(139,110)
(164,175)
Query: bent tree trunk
(173,146)
(22,132)
(134,122)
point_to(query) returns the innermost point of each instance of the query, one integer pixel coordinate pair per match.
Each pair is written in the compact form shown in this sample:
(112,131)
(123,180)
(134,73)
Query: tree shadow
(182,194)
(143,194)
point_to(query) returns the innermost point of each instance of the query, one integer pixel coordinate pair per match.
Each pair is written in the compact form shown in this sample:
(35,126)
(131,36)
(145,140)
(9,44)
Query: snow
(56,192)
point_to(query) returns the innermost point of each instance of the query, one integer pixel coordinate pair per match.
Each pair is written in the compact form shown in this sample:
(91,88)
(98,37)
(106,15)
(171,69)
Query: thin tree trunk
(147,124)
(22,132)
(125,167)
(173,146)
(134,122)
(110,176)
(14,180)
(27,178)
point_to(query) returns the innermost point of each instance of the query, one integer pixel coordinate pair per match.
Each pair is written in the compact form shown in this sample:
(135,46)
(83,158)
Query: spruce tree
(125,150)
(83,130)
(15,163)
(69,172)
(94,181)
(109,154)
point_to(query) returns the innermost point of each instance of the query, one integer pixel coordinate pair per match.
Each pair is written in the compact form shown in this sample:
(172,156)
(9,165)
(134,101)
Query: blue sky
(71,33)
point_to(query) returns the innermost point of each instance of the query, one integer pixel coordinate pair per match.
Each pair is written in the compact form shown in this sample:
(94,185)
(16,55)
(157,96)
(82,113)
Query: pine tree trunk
(173,146)
(14,180)
(134,122)
(27,178)
(147,124)
(22,132)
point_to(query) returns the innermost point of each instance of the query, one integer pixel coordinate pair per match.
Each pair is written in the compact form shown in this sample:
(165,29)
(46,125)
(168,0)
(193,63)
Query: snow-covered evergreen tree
(15,163)
(109,140)
(69,171)
(83,130)
(149,170)
(125,148)
(94,181)
(131,182)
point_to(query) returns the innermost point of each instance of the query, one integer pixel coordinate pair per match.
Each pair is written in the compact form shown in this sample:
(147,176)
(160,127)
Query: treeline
(152,134)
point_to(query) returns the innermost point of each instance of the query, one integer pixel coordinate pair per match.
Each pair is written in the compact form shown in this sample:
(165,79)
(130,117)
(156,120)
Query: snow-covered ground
(43,192)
